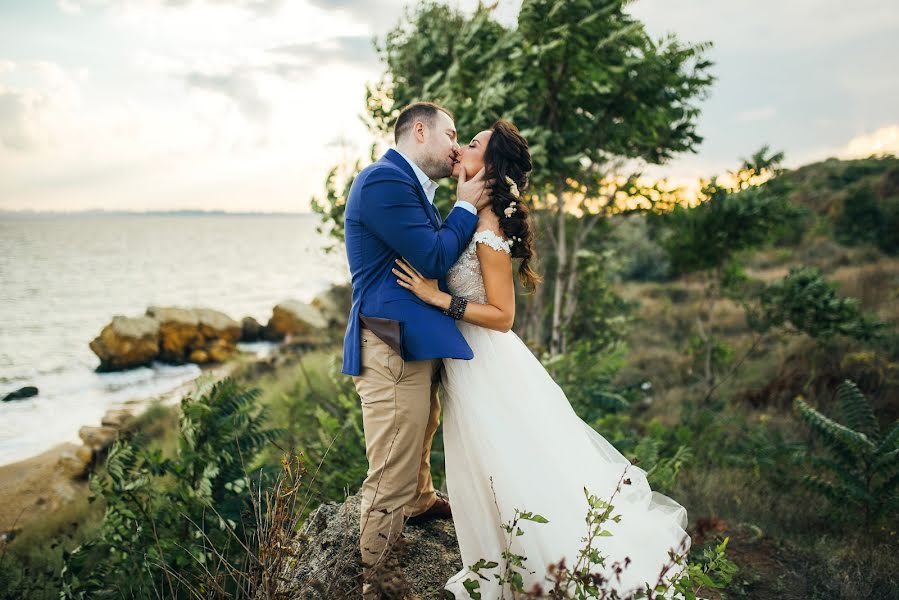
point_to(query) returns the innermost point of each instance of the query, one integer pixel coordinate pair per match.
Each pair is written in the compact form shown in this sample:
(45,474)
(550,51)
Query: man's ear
(419,131)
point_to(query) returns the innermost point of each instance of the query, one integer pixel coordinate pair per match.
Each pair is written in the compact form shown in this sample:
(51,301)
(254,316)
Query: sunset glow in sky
(243,105)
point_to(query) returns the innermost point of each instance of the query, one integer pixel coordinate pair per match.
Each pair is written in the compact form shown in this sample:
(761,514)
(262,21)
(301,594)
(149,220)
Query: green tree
(738,211)
(587,86)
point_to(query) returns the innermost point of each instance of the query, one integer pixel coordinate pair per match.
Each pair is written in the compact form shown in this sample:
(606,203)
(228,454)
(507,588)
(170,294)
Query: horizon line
(175,211)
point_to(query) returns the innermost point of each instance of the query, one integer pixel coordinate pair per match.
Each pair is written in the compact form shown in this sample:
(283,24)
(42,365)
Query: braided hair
(507,158)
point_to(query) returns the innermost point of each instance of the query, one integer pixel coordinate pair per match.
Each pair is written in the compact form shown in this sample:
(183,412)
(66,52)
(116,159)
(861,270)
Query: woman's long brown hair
(507,155)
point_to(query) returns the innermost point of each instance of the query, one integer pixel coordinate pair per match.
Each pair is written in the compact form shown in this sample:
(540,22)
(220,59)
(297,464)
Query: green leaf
(472,586)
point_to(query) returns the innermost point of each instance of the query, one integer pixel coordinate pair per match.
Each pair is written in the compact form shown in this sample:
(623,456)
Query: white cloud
(59,148)
(788,26)
(71,7)
(32,117)
(765,113)
(884,140)
(235,103)
(211,104)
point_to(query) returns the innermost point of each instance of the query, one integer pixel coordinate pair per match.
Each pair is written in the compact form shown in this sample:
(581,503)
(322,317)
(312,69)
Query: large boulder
(194,334)
(75,464)
(323,559)
(97,438)
(127,342)
(251,330)
(168,333)
(300,321)
(215,324)
(179,331)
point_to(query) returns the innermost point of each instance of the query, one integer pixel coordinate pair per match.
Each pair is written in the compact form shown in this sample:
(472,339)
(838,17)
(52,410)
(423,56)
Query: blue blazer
(389,216)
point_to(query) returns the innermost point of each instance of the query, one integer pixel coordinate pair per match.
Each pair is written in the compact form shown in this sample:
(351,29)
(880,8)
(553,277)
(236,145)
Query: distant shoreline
(148,213)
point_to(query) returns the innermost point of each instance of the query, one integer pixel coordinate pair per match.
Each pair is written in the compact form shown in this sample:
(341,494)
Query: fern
(862,472)
(173,513)
(856,410)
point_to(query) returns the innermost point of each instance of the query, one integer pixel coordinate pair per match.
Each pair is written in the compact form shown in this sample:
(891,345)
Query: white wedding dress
(506,419)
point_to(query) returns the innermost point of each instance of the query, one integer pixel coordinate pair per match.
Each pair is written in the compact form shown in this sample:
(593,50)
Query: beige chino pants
(400,414)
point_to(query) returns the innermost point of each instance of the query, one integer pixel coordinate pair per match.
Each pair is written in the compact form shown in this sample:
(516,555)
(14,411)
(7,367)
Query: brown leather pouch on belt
(388,330)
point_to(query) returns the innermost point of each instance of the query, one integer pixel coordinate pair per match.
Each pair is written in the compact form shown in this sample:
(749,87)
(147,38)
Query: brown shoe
(439,510)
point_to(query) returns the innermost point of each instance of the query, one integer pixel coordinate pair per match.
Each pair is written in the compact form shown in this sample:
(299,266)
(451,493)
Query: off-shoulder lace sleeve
(493,240)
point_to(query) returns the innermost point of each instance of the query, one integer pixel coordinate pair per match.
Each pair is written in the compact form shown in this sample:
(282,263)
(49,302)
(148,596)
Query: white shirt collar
(429,186)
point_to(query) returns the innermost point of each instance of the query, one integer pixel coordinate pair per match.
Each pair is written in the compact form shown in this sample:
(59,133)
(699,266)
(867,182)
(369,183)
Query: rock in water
(127,342)
(25,392)
(195,334)
(217,325)
(301,321)
(251,330)
(179,330)
(325,561)
(167,333)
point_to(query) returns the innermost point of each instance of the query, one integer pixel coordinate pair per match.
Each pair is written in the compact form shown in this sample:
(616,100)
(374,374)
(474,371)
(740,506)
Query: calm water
(62,278)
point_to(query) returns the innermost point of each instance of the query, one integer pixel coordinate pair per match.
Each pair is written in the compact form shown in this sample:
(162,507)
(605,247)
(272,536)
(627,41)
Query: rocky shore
(179,335)
(46,482)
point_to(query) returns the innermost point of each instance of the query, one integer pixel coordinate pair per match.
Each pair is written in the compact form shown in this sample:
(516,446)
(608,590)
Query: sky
(244,105)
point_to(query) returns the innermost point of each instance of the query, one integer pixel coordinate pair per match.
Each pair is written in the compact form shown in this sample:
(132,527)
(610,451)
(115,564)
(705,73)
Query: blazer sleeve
(393,211)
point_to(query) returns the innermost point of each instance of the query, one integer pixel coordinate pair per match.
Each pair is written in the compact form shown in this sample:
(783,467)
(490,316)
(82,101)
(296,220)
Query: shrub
(860,474)
(168,519)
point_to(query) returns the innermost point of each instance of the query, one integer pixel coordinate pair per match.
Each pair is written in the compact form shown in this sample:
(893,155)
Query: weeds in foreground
(587,578)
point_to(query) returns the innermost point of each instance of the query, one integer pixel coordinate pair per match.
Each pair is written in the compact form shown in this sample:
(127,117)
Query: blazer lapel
(394,157)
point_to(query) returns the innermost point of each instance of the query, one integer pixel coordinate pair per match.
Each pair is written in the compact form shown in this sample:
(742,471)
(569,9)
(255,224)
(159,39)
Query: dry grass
(876,285)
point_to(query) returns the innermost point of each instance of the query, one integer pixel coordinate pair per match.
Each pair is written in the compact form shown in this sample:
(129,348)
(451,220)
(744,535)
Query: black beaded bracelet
(460,309)
(457,307)
(453,307)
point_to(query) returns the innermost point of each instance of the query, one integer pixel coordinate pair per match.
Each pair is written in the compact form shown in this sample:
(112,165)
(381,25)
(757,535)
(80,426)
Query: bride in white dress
(511,439)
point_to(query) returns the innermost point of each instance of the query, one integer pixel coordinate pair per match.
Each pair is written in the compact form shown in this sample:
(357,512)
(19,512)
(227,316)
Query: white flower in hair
(513,188)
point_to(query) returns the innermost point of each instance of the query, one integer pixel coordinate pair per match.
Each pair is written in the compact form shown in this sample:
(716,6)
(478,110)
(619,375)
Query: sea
(64,276)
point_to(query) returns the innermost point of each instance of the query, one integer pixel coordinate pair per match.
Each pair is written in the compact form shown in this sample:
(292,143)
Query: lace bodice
(464,277)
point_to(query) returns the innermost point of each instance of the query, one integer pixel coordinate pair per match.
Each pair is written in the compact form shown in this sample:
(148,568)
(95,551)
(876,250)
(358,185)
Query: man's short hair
(417,111)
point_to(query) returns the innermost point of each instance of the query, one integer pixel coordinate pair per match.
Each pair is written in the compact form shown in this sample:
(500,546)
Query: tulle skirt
(512,440)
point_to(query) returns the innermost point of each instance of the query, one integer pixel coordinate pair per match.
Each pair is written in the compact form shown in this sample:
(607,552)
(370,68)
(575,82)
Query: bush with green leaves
(804,302)
(168,520)
(865,217)
(860,472)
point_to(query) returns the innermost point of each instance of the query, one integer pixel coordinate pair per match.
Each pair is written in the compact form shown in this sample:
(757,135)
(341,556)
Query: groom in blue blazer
(394,342)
